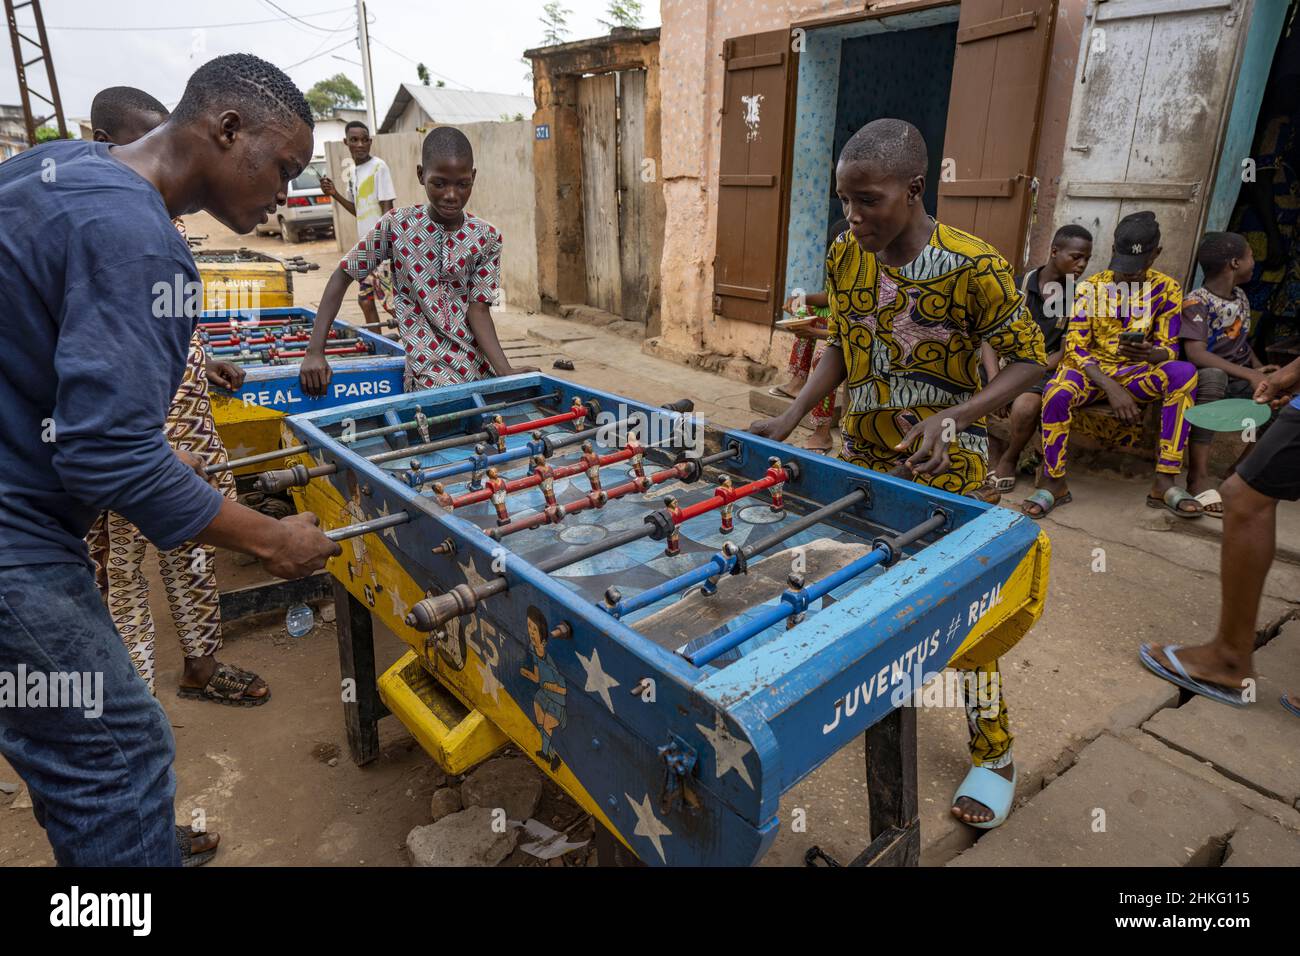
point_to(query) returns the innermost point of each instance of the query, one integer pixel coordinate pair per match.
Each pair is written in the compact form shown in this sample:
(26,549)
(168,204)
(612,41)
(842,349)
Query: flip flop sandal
(185,841)
(1208,499)
(1002,485)
(1180,678)
(1290,706)
(1045,500)
(991,789)
(776,391)
(1171,500)
(228,686)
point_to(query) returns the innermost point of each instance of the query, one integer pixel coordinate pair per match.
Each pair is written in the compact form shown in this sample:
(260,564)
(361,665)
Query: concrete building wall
(692,87)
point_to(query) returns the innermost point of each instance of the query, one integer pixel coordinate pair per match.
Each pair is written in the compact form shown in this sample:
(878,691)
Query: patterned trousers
(188,572)
(1173,384)
(986,709)
(804,356)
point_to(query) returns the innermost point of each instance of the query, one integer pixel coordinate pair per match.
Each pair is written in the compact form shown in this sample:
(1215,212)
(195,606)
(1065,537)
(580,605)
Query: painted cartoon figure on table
(549,702)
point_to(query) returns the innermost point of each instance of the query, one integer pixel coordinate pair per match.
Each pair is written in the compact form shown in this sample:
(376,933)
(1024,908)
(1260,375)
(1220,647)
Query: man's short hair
(444,143)
(894,145)
(1217,249)
(111,109)
(1070,231)
(355,124)
(261,91)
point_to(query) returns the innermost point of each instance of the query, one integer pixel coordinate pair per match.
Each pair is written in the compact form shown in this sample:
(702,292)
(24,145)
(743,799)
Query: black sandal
(185,841)
(228,685)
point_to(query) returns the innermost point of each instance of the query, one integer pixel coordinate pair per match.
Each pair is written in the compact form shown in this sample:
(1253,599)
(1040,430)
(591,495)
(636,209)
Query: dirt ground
(277,783)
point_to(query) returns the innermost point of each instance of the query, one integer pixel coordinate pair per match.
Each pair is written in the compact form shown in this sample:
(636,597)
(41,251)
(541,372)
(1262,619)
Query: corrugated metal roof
(456,106)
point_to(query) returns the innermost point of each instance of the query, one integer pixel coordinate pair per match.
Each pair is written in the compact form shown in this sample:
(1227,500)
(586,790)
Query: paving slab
(1154,815)
(1256,744)
(1261,842)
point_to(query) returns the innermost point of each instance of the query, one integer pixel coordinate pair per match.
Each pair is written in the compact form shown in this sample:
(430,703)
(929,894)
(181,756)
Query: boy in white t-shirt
(368,194)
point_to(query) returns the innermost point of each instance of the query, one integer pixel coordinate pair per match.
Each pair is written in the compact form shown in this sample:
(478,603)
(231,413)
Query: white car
(307,209)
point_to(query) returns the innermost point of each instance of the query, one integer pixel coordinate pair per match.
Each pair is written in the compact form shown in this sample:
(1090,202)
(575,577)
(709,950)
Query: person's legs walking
(1211,386)
(99,764)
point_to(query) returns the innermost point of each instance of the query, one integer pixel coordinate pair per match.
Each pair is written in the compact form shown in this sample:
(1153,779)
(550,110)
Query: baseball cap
(1136,235)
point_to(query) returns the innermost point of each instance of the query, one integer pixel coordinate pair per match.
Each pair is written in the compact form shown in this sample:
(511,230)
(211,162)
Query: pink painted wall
(692,78)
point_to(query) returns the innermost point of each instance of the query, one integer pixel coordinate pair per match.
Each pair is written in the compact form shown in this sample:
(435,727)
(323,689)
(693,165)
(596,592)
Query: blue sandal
(1290,706)
(991,789)
(1180,678)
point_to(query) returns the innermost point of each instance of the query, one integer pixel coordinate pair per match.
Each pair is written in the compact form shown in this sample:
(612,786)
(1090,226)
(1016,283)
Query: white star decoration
(239,451)
(648,825)
(490,683)
(383,513)
(729,752)
(399,606)
(598,681)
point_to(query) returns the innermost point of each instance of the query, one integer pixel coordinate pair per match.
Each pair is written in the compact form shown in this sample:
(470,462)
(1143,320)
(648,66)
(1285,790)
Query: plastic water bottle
(299,620)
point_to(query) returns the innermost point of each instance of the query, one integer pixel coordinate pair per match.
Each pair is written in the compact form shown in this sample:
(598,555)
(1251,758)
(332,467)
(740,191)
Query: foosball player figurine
(725,512)
(796,582)
(675,535)
(546,476)
(422,424)
(580,412)
(440,495)
(499,429)
(778,495)
(592,461)
(480,462)
(497,485)
(638,455)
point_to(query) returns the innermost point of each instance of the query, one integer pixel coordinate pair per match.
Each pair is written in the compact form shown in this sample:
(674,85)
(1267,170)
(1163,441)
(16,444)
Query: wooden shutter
(998,76)
(752,211)
(1151,96)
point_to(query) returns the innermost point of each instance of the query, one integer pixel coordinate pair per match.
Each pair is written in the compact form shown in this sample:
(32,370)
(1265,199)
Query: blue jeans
(98,762)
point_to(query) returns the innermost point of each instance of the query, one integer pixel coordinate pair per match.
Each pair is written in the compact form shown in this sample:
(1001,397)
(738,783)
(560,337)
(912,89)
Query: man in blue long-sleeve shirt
(98,299)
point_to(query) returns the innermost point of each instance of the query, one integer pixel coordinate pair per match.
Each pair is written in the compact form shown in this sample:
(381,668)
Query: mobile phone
(1132,338)
(906,420)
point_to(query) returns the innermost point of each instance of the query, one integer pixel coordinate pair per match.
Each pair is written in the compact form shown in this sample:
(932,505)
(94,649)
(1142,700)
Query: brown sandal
(228,685)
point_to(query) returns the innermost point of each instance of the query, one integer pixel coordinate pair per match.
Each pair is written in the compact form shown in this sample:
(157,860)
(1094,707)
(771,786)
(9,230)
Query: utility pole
(363,40)
(42,43)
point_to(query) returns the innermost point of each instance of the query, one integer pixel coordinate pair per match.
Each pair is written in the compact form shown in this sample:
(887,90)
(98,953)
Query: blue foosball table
(677,623)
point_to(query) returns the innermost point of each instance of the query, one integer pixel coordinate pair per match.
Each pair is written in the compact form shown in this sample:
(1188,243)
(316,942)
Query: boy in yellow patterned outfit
(911,300)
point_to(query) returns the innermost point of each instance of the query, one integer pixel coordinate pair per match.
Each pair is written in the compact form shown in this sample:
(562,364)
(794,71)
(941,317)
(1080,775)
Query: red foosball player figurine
(725,512)
(638,455)
(579,411)
(675,535)
(440,495)
(592,461)
(499,430)
(778,495)
(497,485)
(546,475)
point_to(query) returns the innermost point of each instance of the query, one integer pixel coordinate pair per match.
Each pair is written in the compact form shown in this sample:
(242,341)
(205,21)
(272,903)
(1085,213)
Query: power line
(441,76)
(348,42)
(200,26)
(289,17)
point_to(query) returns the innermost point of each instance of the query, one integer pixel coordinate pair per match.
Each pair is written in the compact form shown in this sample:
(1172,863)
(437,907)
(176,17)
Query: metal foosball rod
(422,422)
(723,498)
(367,527)
(546,446)
(796,600)
(730,560)
(432,613)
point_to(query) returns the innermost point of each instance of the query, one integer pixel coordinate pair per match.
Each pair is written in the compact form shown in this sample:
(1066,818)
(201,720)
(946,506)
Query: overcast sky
(474,44)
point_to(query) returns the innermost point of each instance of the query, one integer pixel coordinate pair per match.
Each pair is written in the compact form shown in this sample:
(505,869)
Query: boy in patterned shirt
(911,301)
(446,267)
(1215,337)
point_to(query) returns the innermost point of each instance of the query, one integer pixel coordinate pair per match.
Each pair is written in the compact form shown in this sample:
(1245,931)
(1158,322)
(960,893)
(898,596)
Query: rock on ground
(511,783)
(444,803)
(465,838)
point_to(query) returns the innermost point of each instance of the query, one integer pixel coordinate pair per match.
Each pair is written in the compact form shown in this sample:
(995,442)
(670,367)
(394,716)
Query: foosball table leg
(610,851)
(891,792)
(362,707)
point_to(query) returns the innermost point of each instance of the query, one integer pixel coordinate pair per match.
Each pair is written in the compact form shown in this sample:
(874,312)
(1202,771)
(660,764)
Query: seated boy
(445,265)
(1214,335)
(911,300)
(1048,296)
(1121,346)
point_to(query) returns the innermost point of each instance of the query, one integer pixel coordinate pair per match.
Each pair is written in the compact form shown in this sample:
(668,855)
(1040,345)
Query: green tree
(555,20)
(622,13)
(422,72)
(46,133)
(440,84)
(334,92)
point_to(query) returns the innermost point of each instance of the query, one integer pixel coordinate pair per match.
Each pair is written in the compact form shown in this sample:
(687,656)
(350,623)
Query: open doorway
(849,75)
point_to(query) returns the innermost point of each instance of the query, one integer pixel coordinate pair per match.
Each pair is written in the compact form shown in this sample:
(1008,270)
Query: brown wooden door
(994,111)
(751,182)
(597,114)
